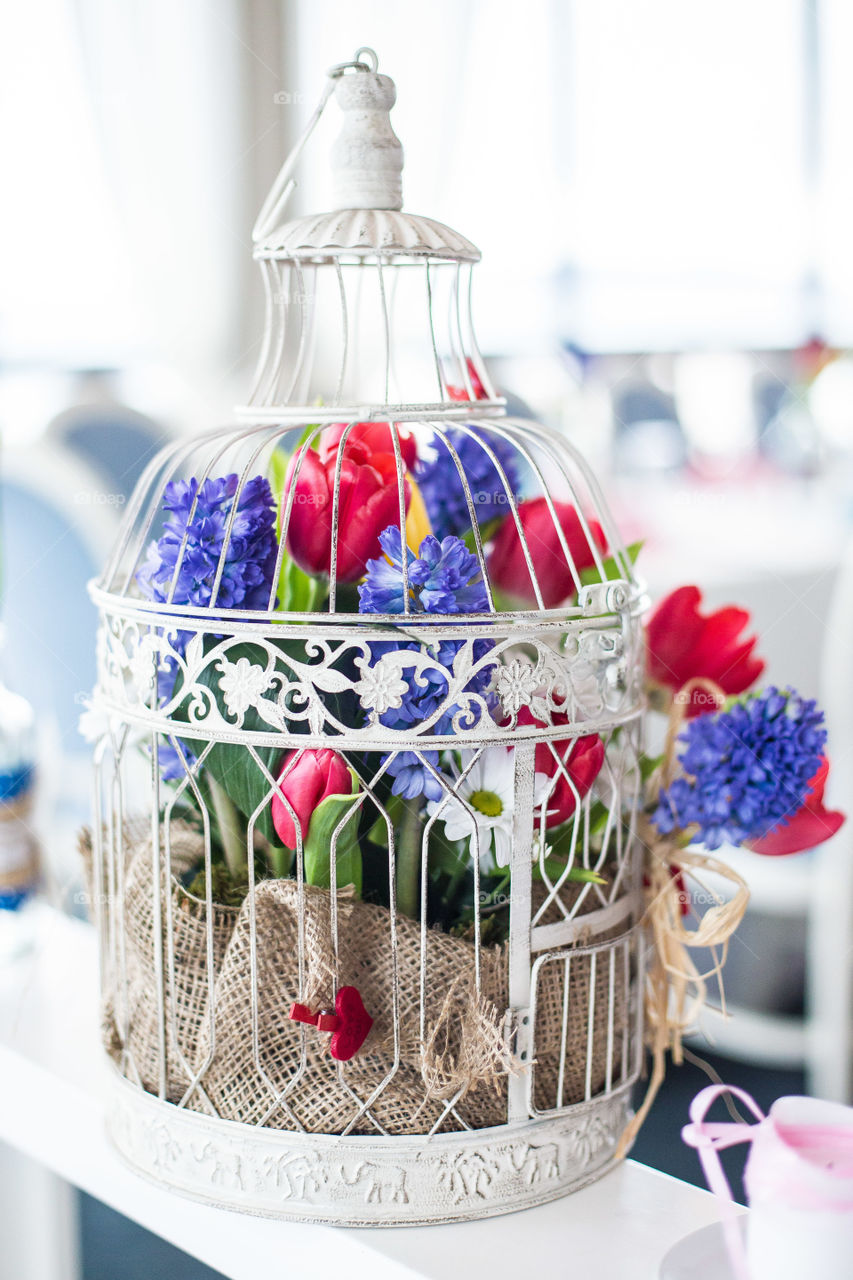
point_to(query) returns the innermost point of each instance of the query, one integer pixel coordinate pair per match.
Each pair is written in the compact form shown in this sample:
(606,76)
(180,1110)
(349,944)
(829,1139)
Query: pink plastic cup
(798,1180)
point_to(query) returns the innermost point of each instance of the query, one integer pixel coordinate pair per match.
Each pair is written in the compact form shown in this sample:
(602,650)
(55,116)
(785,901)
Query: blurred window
(679,171)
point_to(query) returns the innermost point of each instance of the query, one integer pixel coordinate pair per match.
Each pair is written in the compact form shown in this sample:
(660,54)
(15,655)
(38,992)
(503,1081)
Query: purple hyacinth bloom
(443,489)
(747,769)
(443,578)
(247,572)
(172,767)
(249,557)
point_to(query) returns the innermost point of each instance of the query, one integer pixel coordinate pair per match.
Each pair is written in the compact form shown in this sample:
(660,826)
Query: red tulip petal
(370,438)
(583,767)
(742,668)
(817,786)
(671,632)
(723,628)
(354,1026)
(358,538)
(461,393)
(683,645)
(806,829)
(508,568)
(308,529)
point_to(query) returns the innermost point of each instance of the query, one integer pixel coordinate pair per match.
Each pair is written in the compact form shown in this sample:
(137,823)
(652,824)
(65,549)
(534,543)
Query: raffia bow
(675,989)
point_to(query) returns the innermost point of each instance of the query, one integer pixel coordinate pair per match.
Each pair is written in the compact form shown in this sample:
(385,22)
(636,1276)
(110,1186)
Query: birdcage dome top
(365,232)
(373,499)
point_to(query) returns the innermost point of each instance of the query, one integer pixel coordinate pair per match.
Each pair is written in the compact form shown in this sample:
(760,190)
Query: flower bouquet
(740,767)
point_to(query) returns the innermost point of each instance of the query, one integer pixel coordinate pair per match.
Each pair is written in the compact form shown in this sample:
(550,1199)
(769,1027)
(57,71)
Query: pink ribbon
(708,1139)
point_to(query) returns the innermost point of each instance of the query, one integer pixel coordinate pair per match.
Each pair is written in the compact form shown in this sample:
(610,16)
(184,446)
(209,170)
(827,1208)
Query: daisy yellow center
(487,802)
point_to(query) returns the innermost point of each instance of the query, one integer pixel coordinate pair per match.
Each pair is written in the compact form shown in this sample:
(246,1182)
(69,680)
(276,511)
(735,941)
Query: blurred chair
(647,433)
(106,435)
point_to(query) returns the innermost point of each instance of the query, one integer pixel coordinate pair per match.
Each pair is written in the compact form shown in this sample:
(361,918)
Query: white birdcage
(475,878)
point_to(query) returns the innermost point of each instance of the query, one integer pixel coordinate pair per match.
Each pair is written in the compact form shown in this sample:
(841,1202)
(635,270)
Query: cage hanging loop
(365,59)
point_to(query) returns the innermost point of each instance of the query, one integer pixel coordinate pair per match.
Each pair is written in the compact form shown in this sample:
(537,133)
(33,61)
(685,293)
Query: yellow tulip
(417,520)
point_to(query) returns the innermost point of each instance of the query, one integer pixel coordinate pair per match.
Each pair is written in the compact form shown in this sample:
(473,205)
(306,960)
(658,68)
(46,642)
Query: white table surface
(52,1085)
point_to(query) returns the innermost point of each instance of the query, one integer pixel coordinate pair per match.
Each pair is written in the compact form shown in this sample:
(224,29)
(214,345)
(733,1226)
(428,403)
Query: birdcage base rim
(365,1180)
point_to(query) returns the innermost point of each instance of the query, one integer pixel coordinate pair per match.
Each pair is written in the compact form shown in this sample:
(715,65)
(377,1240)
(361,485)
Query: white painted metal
(367,158)
(360,1181)
(577,667)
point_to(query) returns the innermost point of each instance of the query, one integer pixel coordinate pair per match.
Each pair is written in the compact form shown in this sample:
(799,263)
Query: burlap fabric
(232,1050)
(130,1012)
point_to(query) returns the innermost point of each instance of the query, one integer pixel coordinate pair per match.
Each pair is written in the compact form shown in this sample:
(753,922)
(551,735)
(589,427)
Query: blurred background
(663,196)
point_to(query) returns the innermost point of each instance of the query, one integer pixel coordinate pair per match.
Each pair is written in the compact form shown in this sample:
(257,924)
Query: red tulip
(682,644)
(582,761)
(461,393)
(376,437)
(808,827)
(368,501)
(508,569)
(316,775)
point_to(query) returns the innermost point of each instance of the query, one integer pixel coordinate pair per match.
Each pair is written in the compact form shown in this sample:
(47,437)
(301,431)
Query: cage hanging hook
(279,193)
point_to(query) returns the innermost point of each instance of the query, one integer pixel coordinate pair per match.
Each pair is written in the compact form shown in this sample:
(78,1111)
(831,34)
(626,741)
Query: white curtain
(122,127)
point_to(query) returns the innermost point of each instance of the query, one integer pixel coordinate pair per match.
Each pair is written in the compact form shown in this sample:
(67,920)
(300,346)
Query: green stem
(408,873)
(279,859)
(232,832)
(453,883)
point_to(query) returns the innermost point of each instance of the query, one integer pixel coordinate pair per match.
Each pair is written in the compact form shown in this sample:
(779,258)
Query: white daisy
(488,791)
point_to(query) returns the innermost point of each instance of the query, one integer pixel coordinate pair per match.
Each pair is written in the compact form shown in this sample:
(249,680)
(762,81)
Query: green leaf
(487,532)
(555,867)
(328,818)
(245,783)
(450,858)
(648,764)
(230,765)
(297,591)
(612,571)
(559,839)
(378,833)
(277,474)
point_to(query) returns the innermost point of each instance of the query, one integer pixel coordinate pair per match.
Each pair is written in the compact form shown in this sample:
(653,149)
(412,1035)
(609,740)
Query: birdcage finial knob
(367,158)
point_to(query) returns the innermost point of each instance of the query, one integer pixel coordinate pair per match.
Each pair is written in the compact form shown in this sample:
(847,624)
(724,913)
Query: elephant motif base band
(360,1181)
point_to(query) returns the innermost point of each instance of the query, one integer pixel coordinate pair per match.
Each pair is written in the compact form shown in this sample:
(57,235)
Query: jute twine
(676,991)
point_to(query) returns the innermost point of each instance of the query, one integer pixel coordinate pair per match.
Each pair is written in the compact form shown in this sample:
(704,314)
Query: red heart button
(354,1027)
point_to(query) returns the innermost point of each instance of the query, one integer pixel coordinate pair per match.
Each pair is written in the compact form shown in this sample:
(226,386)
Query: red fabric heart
(355,1024)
